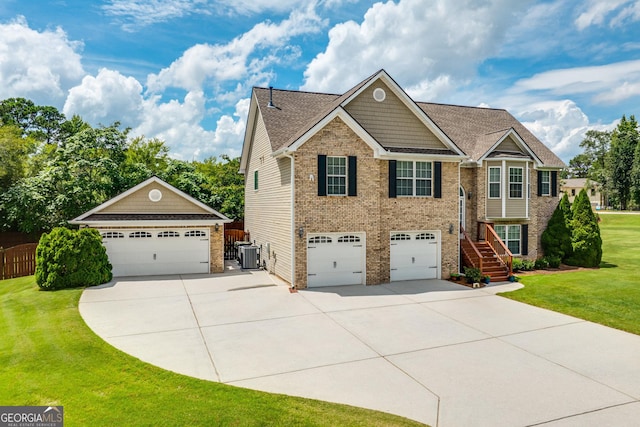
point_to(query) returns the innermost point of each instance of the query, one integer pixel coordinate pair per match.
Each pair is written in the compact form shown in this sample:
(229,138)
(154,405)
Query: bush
(541,264)
(554,261)
(472,274)
(556,238)
(516,264)
(69,259)
(585,239)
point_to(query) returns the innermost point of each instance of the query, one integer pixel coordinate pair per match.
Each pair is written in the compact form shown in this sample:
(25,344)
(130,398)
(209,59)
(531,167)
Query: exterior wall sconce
(450,228)
(469,195)
(300,232)
(217,227)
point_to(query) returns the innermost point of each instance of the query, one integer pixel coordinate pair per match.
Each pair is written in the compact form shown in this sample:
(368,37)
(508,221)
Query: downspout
(293,221)
(459,218)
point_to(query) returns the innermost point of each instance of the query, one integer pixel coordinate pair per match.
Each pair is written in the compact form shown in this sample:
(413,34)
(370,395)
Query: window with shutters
(414,178)
(545,183)
(510,235)
(336,176)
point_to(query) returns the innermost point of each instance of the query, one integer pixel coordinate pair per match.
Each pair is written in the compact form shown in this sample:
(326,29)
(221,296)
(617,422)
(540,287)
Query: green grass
(48,356)
(609,295)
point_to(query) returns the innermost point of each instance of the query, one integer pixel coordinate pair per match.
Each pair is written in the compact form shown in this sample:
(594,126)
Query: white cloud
(234,60)
(561,125)
(597,11)
(136,13)
(40,66)
(607,83)
(425,48)
(106,98)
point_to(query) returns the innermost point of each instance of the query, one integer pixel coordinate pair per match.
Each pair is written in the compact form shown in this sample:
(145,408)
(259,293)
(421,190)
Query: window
(414,178)
(401,236)
(140,235)
(515,183)
(510,235)
(545,183)
(168,234)
(593,191)
(255,180)
(426,236)
(349,239)
(195,233)
(320,239)
(494,182)
(113,235)
(573,191)
(337,176)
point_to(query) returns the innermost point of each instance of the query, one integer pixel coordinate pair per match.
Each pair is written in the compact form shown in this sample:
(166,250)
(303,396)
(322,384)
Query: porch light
(469,195)
(300,232)
(450,228)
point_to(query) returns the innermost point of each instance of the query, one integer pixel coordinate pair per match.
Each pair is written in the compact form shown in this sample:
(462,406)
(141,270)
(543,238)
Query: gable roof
(466,131)
(202,214)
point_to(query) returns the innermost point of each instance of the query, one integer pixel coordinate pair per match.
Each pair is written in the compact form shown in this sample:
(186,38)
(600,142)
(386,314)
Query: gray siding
(268,209)
(390,122)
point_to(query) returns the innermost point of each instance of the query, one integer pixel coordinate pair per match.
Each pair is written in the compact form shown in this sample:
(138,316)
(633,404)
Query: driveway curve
(432,351)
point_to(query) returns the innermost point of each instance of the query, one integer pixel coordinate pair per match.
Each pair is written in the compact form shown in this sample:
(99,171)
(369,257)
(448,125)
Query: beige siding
(139,202)
(505,206)
(516,208)
(268,209)
(390,122)
(508,145)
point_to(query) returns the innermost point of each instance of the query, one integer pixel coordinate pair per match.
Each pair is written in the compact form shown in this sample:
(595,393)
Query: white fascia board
(166,223)
(411,104)
(519,141)
(248,133)
(153,179)
(378,150)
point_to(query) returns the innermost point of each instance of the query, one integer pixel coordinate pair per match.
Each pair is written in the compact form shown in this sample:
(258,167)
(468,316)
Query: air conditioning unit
(249,257)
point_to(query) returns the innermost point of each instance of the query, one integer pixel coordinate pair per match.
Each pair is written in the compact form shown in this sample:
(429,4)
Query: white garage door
(157,252)
(335,259)
(415,255)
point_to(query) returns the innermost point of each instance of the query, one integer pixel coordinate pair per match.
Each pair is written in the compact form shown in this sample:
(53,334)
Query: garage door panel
(414,255)
(157,252)
(335,259)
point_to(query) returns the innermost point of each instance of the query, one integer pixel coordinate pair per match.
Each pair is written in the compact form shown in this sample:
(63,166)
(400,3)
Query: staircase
(492,265)
(489,253)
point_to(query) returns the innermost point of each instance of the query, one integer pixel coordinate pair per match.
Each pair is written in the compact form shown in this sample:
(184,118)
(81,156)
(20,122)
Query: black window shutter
(539,183)
(353,176)
(437,180)
(392,178)
(322,175)
(524,239)
(554,183)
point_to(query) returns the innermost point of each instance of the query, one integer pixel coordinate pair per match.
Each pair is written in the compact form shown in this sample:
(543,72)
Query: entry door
(414,255)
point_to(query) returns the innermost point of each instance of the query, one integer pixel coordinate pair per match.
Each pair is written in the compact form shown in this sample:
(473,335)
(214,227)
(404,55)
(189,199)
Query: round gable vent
(155,195)
(379,94)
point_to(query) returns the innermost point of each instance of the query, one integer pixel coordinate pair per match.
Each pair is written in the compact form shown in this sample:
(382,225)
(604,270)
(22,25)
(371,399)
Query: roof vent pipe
(270,104)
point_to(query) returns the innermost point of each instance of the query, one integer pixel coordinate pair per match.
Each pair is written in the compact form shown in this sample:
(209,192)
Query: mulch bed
(562,269)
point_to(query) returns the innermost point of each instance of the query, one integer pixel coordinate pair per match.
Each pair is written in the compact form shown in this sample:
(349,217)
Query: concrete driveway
(432,351)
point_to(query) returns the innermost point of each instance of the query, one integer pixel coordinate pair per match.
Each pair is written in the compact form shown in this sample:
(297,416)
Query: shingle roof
(474,130)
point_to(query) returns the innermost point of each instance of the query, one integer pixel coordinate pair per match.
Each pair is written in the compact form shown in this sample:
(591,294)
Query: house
(573,186)
(369,186)
(156,229)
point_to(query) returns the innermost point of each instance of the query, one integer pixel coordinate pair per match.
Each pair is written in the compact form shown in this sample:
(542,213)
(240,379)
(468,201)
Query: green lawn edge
(50,357)
(609,295)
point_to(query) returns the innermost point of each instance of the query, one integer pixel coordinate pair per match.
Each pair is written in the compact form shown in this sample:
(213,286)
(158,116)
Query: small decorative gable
(509,145)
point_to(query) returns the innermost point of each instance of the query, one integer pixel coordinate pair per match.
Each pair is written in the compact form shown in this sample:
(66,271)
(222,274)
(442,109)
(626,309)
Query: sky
(182,70)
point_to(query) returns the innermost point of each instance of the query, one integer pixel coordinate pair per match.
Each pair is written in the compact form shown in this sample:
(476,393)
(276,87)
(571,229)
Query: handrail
(498,246)
(475,250)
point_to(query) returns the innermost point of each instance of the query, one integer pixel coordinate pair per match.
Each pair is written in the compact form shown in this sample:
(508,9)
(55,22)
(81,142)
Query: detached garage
(156,229)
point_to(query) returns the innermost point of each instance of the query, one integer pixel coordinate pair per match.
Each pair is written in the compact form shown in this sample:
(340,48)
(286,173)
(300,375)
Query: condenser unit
(249,256)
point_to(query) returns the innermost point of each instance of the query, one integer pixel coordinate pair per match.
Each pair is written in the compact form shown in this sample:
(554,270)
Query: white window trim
(414,179)
(506,240)
(499,182)
(548,173)
(346,176)
(521,182)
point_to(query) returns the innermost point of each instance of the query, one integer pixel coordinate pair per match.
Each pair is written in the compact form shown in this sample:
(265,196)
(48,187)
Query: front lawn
(48,356)
(609,295)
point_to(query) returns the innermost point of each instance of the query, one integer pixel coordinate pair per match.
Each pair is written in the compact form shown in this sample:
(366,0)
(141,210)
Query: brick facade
(371,211)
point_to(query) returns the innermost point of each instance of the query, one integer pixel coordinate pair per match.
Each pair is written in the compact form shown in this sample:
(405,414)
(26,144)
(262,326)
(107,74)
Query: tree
(585,234)
(556,238)
(43,123)
(579,166)
(14,150)
(620,160)
(225,184)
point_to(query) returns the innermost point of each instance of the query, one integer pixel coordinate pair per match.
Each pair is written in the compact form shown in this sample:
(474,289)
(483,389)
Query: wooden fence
(18,261)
